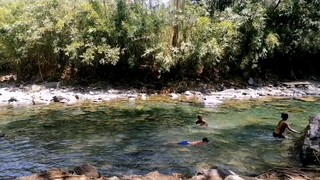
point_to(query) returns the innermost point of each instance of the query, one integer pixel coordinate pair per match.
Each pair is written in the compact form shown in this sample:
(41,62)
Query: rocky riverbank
(53,92)
(89,172)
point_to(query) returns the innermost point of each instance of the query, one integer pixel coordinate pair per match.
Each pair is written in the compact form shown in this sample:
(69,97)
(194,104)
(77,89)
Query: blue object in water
(184,143)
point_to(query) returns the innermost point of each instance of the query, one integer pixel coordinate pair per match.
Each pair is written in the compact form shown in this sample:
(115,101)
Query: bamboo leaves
(182,37)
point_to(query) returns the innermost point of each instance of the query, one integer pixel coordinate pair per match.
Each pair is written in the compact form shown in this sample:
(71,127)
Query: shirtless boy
(282,126)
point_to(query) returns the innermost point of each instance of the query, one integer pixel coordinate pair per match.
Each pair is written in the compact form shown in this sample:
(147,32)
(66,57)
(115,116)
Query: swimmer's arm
(206,124)
(292,130)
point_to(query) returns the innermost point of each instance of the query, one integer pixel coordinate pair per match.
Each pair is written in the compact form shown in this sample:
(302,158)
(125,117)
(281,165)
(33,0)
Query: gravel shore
(53,92)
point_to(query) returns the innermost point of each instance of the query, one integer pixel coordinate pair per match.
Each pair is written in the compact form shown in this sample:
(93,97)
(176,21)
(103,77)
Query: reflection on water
(121,138)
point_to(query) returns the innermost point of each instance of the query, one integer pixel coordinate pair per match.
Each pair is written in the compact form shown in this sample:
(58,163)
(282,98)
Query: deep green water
(133,138)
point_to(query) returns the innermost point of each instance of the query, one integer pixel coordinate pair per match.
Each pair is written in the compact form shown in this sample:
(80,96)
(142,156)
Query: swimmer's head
(205,140)
(199,117)
(284,116)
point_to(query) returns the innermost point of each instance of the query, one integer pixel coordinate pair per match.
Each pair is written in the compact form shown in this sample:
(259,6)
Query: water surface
(122,138)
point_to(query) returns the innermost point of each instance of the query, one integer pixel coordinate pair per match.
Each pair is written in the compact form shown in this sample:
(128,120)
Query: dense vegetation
(152,41)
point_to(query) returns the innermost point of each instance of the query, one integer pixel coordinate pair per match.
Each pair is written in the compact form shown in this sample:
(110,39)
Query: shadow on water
(124,138)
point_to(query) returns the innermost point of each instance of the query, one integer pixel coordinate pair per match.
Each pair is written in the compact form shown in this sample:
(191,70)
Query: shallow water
(122,138)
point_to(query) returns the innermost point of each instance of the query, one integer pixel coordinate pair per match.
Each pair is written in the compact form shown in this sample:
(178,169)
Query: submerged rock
(83,172)
(2,134)
(87,170)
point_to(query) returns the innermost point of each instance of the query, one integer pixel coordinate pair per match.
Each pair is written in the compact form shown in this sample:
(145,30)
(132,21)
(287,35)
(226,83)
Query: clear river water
(123,138)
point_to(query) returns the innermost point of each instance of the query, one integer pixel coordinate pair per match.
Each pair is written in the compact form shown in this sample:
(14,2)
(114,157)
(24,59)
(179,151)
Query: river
(136,137)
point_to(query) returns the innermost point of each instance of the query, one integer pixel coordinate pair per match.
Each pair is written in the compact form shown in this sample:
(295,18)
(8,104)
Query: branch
(277,5)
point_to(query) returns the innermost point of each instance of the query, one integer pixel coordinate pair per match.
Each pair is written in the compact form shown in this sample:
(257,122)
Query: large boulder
(290,174)
(87,170)
(310,150)
(54,174)
(217,173)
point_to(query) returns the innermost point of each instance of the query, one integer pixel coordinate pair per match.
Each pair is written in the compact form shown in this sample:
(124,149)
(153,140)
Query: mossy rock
(280,105)
(295,110)
(243,104)
(308,99)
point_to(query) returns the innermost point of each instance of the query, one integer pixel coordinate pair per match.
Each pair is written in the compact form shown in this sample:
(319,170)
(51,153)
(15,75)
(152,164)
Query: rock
(188,93)
(77,96)
(217,173)
(310,149)
(43,102)
(181,89)
(144,97)
(9,77)
(307,99)
(12,99)
(2,134)
(250,81)
(36,100)
(50,85)
(58,98)
(290,174)
(54,174)
(113,178)
(87,170)
(211,101)
(153,176)
(174,96)
(297,84)
(36,88)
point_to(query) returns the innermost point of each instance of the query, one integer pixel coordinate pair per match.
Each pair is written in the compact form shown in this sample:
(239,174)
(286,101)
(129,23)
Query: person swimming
(201,121)
(204,141)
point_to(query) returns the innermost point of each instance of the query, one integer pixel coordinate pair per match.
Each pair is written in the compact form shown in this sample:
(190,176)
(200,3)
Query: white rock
(174,96)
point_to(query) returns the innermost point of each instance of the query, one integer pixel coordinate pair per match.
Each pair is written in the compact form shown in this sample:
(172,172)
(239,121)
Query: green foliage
(28,36)
(272,41)
(187,39)
(297,25)
(90,40)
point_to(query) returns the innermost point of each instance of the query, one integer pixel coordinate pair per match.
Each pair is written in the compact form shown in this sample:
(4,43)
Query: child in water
(282,126)
(202,122)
